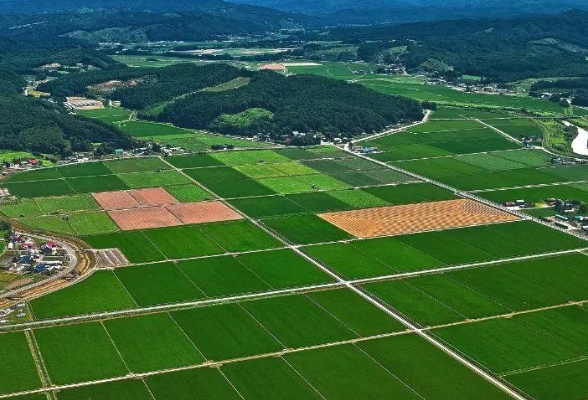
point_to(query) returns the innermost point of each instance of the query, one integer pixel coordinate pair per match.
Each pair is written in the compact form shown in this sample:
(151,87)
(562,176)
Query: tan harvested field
(412,218)
(199,213)
(144,218)
(115,200)
(153,197)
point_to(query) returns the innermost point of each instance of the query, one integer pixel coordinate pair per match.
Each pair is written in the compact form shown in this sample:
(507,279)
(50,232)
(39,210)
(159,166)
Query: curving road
(72,259)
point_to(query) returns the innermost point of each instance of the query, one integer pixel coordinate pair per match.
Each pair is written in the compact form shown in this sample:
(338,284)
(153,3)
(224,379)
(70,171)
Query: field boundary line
(116,347)
(226,378)
(38,359)
(447,306)
(238,253)
(442,270)
(316,303)
(510,315)
(388,371)
(148,389)
(303,378)
(207,364)
(506,135)
(538,185)
(165,307)
(126,289)
(187,337)
(154,245)
(545,366)
(396,130)
(177,266)
(255,274)
(258,322)
(482,295)
(262,295)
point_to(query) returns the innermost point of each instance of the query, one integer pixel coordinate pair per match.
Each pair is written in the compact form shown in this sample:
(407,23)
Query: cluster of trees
(24,55)
(577,89)
(299,103)
(157,85)
(502,50)
(77,84)
(176,80)
(36,125)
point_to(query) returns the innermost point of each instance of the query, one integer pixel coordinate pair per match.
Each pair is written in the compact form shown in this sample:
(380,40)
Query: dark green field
(79,353)
(483,292)
(100,292)
(135,246)
(237,312)
(226,332)
(17,369)
(152,342)
(305,229)
(154,284)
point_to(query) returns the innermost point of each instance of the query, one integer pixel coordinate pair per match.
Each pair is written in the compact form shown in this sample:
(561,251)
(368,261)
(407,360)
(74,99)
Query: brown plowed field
(199,213)
(115,200)
(143,218)
(153,197)
(398,220)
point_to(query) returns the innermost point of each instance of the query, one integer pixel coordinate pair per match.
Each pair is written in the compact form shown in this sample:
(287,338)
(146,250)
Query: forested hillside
(119,24)
(298,103)
(501,50)
(269,102)
(40,126)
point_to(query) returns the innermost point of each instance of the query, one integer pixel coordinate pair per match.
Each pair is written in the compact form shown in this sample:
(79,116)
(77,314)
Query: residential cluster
(27,255)
(19,310)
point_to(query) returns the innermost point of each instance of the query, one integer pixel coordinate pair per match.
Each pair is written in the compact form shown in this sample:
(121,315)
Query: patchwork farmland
(309,274)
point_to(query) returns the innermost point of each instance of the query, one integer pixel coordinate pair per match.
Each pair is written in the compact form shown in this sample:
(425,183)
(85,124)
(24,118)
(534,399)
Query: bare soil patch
(199,213)
(144,218)
(115,200)
(412,218)
(153,197)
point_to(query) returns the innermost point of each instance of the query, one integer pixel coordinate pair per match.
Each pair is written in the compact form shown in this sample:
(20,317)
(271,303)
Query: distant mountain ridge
(325,12)
(109,20)
(317,7)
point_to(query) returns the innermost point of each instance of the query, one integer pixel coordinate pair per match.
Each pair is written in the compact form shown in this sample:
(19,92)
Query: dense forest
(118,24)
(501,50)
(152,85)
(306,13)
(298,103)
(38,125)
(270,103)
(176,80)
(24,56)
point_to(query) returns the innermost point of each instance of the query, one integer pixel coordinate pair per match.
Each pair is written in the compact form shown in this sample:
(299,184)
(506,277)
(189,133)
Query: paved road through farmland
(376,302)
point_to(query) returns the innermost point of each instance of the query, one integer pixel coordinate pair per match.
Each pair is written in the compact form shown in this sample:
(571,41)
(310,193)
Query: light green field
(62,204)
(109,115)
(145,129)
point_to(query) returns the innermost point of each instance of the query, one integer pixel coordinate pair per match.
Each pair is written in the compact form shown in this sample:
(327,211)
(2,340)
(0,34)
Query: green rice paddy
(280,326)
